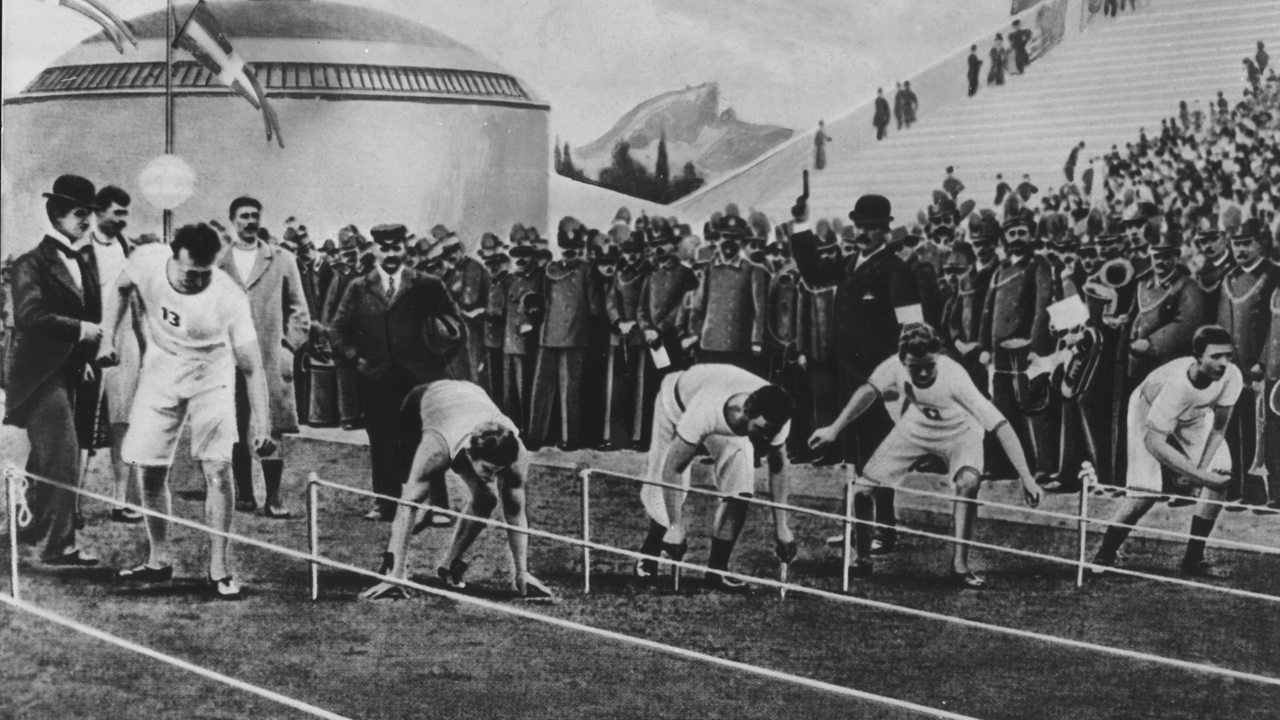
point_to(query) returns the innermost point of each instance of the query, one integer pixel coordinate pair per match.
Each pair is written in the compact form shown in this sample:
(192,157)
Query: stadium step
(1100,86)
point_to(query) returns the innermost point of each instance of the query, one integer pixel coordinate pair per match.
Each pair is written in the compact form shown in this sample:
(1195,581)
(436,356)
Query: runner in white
(1177,419)
(199,332)
(736,416)
(463,431)
(941,413)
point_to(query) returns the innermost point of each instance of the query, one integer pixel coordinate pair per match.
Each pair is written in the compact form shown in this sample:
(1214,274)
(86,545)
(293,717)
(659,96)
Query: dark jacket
(47,312)
(867,298)
(404,331)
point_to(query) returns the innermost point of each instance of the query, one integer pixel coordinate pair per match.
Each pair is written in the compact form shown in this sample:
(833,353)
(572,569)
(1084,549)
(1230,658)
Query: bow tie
(71,253)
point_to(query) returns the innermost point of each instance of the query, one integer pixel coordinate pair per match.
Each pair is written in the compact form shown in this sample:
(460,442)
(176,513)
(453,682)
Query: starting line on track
(14,477)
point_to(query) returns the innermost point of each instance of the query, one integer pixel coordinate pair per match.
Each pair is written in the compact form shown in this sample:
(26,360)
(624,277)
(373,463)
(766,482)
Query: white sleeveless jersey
(945,407)
(191,336)
(453,409)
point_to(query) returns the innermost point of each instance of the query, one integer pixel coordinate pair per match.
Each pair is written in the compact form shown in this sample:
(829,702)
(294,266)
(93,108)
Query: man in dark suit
(875,295)
(57,323)
(398,327)
(975,69)
(881,118)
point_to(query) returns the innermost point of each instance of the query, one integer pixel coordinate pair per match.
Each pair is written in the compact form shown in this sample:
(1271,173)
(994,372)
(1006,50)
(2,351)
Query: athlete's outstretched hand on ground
(386,591)
(532,588)
(1031,492)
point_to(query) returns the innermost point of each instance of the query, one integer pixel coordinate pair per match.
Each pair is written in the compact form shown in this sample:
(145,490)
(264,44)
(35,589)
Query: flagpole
(168,101)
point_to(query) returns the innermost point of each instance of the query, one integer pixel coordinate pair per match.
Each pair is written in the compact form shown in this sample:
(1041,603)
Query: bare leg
(967,482)
(731,516)
(156,497)
(219,503)
(126,487)
(483,502)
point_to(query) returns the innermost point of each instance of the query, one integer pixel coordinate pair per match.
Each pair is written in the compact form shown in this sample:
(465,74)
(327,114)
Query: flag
(202,36)
(117,30)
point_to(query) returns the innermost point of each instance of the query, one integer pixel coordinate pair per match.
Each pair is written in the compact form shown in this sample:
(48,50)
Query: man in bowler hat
(58,326)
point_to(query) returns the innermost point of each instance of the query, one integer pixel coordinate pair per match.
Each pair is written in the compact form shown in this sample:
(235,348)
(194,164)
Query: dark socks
(1111,542)
(885,513)
(720,552)
(653,541)
(272,472)
(1200,529)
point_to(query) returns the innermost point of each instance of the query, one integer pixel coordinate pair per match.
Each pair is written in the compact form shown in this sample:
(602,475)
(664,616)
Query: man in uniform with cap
(522,315)
(729,319)
(1015,319)
(269,276)
(1109,292)
(57,328)
(1270,407)
(1215,247)
(818,404)
(366,330)
(1168,309)
(875,295)
(1244,301)
(629,369)
(567,288)
(468,282)
(782,339)
(962,313)
(497,263)
(663,316)
(344,272)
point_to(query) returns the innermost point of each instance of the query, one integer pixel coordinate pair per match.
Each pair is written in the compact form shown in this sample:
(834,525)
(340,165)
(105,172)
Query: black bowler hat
(75,190)
(872,210)
(389,233)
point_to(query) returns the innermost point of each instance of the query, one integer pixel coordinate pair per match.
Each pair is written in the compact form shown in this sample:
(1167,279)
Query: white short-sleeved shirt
(1174,402)
(703,390)
(453,408)
(943,408)
(191,337)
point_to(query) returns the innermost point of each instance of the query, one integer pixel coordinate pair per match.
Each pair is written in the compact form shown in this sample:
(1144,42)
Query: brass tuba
(1031,393)
(1105,284)
(1086,350)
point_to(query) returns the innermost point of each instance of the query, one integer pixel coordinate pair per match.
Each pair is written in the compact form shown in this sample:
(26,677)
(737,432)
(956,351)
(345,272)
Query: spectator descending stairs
(1101,86)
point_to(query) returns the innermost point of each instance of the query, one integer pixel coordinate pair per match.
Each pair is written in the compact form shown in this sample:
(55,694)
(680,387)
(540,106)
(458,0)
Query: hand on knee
(967,482)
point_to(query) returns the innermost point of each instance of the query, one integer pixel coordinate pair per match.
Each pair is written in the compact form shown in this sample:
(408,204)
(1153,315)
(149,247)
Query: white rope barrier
(840,598)
(527,614)
(1173,534)
(1230,505)
(846,520)
(171,660)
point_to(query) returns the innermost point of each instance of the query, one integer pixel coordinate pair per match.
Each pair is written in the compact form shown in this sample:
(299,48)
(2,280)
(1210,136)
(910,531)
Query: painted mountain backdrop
(696,130)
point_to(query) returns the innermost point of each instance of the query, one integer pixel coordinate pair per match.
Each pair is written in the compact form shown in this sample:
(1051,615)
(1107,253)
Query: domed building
(384,120)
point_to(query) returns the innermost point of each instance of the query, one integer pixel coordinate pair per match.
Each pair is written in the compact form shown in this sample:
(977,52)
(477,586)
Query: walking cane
(88,453)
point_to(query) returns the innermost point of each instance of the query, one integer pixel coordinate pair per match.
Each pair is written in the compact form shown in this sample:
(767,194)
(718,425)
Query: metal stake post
(585,477)
(1087,476)
(11,499)
(849,477)
(313,531)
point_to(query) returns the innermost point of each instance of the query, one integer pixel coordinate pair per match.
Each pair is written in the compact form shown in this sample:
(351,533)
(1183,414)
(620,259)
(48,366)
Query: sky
(782,62)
